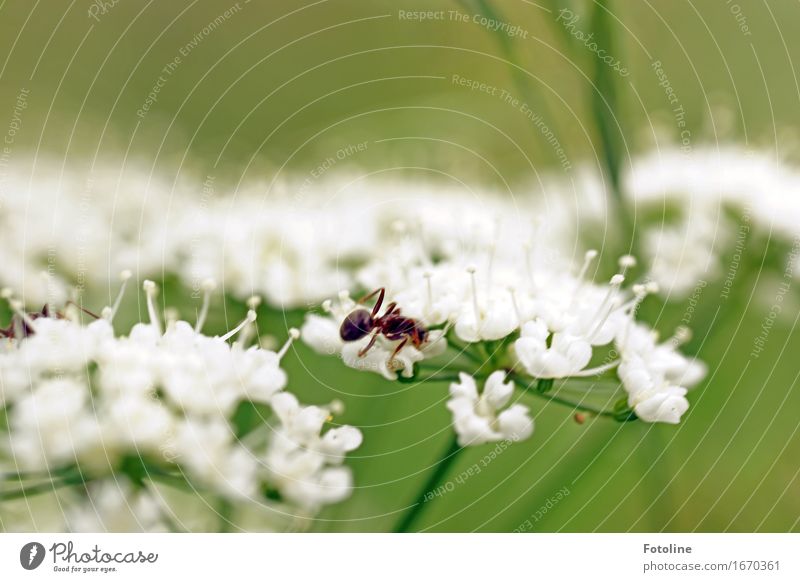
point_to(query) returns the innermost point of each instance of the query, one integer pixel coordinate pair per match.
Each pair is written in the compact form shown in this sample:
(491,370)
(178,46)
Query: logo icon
(31,555)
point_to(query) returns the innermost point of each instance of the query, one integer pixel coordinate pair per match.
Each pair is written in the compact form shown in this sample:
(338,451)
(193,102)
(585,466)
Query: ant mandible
(391,324)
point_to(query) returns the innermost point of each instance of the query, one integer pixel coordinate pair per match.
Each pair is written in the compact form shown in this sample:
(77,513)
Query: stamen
(294,334)
(336,407)
(471,271)
(607,306)
(254,302)
(590,256)
(596,371)
(327,306)
(626,262)
(209,285)
(428,275)
(150,290)
(111,312)
(171,316)
(682,335)
(251,317)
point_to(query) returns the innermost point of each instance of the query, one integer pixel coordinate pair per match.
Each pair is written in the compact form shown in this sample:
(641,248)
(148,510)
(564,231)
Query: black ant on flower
(22,323)
(392,325)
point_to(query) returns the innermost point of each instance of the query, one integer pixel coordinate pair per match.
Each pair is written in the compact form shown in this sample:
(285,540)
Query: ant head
(356,325)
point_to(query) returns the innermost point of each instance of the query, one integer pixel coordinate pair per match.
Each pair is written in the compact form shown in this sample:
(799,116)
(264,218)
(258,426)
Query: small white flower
(304,463)
(115,506)
(211,453)
(478,419)
(656,376)
(53,424)
(567,355)
(666,404)
(491,317)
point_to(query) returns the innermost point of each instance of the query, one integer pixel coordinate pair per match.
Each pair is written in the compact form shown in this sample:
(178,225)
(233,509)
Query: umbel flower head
(165,395)
(526,318)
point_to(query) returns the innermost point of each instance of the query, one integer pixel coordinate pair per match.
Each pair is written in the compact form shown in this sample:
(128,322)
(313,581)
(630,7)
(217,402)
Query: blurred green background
(277,87)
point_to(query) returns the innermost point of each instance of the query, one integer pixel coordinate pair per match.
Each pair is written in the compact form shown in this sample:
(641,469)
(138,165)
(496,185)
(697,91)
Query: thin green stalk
(463,350)
(532,388)
(434,480)
(605,109)
(41,488)
(430,378)
(508,51)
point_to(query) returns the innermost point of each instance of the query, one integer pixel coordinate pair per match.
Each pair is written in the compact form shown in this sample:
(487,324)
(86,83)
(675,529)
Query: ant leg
(363,351)
(380,292)
(86,311)
(391,309)
(399,347)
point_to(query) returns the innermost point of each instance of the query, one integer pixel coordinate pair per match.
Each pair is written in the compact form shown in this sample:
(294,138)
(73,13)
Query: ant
(19,324)
(391,324)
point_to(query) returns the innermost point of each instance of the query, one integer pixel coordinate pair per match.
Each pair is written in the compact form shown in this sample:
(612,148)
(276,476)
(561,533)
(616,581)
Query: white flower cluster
(532,313)
(720,194)
(296,245)
(79,394)
(81,228)
(292,245)
(476,418)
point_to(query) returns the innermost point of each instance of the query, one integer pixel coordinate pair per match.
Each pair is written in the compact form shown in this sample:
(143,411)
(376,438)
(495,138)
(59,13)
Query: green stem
(42,488)
(605,109)
(529,387)
(462,350)
(431,378)
(434,480)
